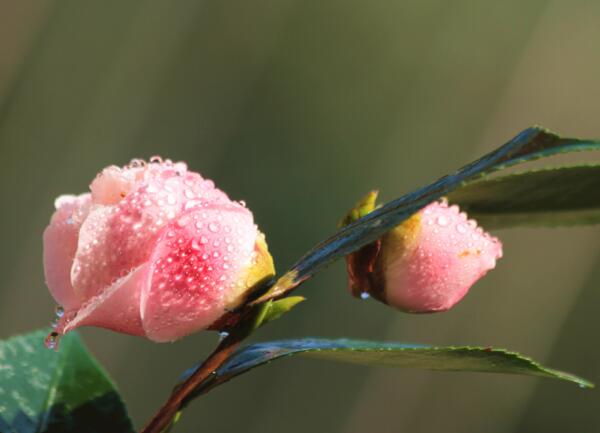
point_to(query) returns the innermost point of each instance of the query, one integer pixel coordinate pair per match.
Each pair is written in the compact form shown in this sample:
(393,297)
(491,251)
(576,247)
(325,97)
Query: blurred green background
(299,107)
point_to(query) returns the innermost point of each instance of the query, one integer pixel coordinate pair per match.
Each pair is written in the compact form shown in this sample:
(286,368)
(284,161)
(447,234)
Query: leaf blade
(65,390)
(532,143)
(451,358)
(551,196)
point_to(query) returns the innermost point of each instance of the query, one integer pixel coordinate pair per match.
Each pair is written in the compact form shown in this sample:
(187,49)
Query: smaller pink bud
(426,264)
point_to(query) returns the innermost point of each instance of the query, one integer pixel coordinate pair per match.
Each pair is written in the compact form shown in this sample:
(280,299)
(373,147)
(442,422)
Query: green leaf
(273,310)
(473,359)
(552,196)
(64,391)
(533,143)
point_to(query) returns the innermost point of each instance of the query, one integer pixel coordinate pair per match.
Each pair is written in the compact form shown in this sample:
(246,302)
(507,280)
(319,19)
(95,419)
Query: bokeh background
(299,107)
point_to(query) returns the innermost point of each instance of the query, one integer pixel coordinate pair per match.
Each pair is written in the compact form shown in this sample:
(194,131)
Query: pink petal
(112,184)
(440,259)
(116,308)
(199,270)
(60,244)
(119,237)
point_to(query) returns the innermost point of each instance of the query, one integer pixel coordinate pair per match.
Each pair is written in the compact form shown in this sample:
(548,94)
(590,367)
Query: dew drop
(155,159)
(183,221)
(442,221)
(59,311)
(364,295)
(137,163)
(213,227)
(207,184)
(51,341)
(223,335)
(461,229)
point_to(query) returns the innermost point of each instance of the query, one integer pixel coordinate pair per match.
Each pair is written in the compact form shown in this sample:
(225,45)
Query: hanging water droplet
(364,295)
(223,335)
(137,163)
(59,311)
(51,341)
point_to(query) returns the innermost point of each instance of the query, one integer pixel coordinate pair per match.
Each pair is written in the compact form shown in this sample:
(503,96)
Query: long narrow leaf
(554,196)
(533,143)
(460,358)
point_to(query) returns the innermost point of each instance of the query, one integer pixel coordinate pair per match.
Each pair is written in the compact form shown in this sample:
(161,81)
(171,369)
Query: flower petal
(199,269)
(119,237)
(60,245)
(116,308)
(437,259)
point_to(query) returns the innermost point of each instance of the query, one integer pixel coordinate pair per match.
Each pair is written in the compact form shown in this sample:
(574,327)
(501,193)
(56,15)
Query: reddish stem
(165,414)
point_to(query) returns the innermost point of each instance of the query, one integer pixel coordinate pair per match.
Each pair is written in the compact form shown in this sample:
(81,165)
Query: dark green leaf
(473,359)
(64,391)
(547,197)
(533,143)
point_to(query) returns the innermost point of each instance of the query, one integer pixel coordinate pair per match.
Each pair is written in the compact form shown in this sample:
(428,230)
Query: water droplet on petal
(137,163)
(213,227)
(442,221)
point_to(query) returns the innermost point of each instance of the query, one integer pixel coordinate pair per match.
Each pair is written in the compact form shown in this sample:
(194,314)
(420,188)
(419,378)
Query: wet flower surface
(154,250)
(426,264)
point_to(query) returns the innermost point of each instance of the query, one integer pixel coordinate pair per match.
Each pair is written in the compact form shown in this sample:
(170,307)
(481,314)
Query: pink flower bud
(428,263)
(155,250)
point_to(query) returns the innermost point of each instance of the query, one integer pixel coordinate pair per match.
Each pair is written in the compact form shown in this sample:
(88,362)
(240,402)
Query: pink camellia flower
(426,264)
(155,250)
